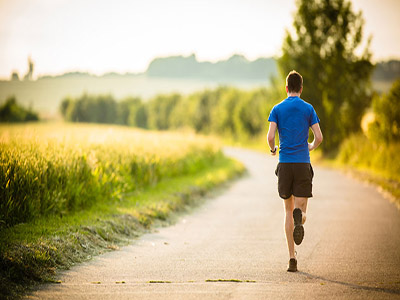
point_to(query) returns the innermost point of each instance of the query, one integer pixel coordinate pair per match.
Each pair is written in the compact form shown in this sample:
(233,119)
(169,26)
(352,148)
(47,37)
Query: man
(293,117)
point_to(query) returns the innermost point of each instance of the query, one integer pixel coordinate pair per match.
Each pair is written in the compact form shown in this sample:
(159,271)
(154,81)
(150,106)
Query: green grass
(33,252)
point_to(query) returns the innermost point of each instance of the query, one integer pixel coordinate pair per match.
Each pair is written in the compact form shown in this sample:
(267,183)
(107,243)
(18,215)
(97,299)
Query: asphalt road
(351,248)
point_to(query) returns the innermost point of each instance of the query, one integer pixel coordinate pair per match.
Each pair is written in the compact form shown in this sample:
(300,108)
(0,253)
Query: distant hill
(387,70)
(87,75)
(236,67)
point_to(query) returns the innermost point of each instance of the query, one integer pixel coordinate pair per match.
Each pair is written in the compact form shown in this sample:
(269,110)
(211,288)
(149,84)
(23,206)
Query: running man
(293,117)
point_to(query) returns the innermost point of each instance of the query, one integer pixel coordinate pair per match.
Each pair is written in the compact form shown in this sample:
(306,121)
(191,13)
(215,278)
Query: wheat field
(60,168)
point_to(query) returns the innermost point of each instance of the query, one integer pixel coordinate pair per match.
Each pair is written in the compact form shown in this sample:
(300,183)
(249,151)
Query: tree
(182,114)
(65,104)
(222,121)
(126,110)
(159,111)
(140,116)
(207,100)
(29,74)
(14,76)
(103,109)
(336,80)
(250,113)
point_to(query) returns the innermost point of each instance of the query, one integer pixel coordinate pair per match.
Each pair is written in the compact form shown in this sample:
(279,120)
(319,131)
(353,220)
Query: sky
(100,36)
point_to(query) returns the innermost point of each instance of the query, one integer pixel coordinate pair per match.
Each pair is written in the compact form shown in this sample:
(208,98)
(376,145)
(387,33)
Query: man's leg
(299,217)
(289,225)
(301,202)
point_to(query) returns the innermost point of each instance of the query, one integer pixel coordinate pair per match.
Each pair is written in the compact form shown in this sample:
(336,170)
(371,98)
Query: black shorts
(294,179)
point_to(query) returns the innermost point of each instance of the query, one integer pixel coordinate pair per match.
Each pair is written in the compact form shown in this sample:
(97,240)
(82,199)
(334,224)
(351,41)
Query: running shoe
(292,265)
(298,232)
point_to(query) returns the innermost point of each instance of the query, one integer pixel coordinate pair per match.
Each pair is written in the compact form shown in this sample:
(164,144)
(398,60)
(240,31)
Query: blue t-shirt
(293,117)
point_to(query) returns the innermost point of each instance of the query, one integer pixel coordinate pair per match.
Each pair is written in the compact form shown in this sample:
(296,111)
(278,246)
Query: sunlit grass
(60,168)
(372,161)
(365,154)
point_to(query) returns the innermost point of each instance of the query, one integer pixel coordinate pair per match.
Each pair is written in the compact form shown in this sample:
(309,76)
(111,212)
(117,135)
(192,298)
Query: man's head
(294,82)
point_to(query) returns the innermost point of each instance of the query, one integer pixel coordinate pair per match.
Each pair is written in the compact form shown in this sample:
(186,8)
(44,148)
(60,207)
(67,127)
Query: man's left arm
(317,137)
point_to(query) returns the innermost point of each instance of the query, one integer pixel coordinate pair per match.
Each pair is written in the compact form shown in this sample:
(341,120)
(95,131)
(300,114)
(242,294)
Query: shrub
(387,116)
(12,112)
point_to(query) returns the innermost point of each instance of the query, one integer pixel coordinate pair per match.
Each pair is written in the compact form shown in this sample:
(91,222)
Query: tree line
(225,111)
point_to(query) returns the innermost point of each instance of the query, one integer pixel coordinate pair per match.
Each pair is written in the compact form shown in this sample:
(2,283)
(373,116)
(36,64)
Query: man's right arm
(271,137)
(317,137)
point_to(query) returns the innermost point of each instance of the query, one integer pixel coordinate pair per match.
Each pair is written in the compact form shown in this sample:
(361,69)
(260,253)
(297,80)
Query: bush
(360,152)
(386,126)
(11,112)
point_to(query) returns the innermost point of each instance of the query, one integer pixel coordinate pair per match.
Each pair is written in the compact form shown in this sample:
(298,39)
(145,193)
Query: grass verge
(372,162)
(31,253)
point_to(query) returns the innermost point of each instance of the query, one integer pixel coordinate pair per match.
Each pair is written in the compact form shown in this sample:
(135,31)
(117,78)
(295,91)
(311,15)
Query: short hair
(294,82)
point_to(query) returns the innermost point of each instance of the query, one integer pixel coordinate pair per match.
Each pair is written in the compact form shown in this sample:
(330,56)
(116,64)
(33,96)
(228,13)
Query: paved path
(351,248)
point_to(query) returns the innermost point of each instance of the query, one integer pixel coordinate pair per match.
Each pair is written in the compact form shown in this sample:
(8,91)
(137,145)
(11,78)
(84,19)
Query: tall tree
(327,34)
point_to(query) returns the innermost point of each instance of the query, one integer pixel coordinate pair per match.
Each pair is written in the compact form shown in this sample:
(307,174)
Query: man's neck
(294,94)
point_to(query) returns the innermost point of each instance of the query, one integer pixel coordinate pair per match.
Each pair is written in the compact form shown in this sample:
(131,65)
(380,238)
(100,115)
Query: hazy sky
(125,35)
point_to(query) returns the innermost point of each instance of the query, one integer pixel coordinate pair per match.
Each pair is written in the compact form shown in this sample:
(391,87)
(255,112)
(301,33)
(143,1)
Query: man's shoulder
(307,104)
(279,104)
